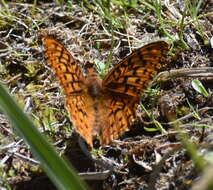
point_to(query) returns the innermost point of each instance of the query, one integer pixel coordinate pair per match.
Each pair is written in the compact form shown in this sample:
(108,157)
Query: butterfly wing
(72,81)
(126,82)
(120,115)
(132,75)
(67,70)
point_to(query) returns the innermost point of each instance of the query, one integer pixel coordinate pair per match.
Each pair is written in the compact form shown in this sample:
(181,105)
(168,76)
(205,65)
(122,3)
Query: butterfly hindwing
(121,114)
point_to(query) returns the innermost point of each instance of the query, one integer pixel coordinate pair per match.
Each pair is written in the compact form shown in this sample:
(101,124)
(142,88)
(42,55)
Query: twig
(95,175)
(192,72)
(190,115)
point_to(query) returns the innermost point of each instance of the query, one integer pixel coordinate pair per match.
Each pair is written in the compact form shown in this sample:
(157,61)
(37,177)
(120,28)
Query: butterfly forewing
(132,75)
(67,70)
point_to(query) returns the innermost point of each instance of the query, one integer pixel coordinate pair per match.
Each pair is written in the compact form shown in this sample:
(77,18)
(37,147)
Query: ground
(146,157)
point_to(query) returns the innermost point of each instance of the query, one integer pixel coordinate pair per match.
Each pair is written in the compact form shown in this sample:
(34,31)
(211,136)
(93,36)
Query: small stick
(206,72)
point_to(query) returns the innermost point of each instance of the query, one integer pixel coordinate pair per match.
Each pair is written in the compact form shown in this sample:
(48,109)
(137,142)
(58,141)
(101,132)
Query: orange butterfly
(106,108)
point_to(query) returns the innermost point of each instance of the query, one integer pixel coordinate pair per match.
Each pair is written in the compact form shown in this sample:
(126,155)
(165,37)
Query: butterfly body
(93,85)
(104,109)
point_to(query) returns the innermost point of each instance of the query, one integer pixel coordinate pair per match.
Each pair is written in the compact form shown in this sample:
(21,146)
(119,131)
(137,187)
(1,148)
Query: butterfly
(104,108)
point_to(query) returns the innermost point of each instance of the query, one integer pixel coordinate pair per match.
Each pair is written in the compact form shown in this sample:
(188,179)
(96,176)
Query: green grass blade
(198,86)
(58,170)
